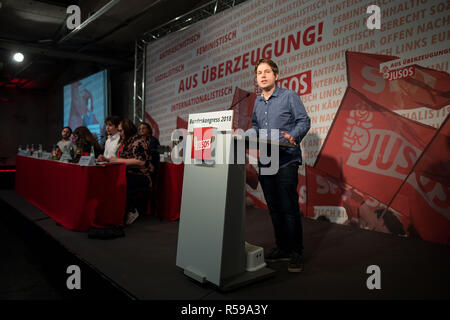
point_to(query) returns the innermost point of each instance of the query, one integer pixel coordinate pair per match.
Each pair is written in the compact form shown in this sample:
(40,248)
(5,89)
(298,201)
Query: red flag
(370,147)
(426,193)
(421,87)
(181,124)
(333,200)
(243,103)
(324,197)
(255,195)
(153,124)
(251,176)
(256,199)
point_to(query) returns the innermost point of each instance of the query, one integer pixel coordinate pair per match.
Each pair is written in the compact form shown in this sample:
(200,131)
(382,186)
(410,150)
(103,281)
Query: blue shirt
(283,111)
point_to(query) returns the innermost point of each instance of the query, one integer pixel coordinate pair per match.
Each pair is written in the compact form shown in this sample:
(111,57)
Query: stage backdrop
(377,168)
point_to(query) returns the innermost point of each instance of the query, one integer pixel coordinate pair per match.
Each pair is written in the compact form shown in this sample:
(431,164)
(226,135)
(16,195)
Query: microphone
(240,100)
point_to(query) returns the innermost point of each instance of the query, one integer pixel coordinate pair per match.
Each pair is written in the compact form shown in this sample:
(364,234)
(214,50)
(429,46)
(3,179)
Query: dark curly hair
(84,135)
(149,127)
(70,129)
(128,128)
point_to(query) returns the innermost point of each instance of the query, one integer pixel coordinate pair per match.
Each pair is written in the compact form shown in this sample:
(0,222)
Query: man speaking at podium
(282,109)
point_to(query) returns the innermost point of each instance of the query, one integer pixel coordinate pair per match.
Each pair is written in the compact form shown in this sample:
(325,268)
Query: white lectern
(211,245)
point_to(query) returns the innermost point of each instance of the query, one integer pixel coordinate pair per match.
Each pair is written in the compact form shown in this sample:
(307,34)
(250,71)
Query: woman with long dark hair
(135,154)
(84,139)
(145,130)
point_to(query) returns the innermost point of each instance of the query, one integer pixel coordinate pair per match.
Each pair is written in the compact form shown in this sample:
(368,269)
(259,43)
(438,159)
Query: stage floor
(141,265)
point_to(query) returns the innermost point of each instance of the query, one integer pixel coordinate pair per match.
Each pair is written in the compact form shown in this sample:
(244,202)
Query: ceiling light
(18,57)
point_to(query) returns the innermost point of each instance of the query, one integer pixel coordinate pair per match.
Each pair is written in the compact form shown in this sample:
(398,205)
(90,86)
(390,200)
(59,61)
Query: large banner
(401,68)
(372,148)
(86,103)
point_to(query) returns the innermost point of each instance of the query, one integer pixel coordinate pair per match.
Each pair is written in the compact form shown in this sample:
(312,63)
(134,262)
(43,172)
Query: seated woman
(153,144)
(135,154)
(84,140)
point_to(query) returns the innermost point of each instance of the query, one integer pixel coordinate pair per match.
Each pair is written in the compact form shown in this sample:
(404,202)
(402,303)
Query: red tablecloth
(168,189)
(77,197)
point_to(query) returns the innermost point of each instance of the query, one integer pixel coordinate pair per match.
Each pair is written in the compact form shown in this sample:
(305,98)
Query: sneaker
(296,263)
(132,216)
(277,255)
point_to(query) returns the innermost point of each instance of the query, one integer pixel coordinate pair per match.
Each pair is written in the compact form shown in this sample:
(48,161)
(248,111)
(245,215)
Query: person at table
(135,154)
(153,144)
(65,142)
(84,140)
(282,109)
(112,143)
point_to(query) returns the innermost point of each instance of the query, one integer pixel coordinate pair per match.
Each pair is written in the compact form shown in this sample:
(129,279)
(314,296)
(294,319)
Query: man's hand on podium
(289,138)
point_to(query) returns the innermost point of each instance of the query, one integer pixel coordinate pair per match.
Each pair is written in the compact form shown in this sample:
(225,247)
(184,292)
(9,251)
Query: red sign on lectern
(203,143)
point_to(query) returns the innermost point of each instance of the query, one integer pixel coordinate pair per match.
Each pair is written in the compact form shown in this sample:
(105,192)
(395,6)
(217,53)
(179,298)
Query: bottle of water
(53,156)
(40,151)
(92,154)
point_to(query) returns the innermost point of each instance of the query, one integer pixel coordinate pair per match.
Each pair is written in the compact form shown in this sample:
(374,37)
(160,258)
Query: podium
(211,245)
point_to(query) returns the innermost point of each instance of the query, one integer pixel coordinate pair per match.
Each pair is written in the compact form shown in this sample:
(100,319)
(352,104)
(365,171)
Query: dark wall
(23,121)
(121,89)
(36,115)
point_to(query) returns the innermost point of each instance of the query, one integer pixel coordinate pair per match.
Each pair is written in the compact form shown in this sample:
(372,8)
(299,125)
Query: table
(168,190)
(77,197)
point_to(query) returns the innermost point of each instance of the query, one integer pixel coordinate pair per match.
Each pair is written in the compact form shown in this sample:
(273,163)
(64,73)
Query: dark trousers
(280,192)
(137,192)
